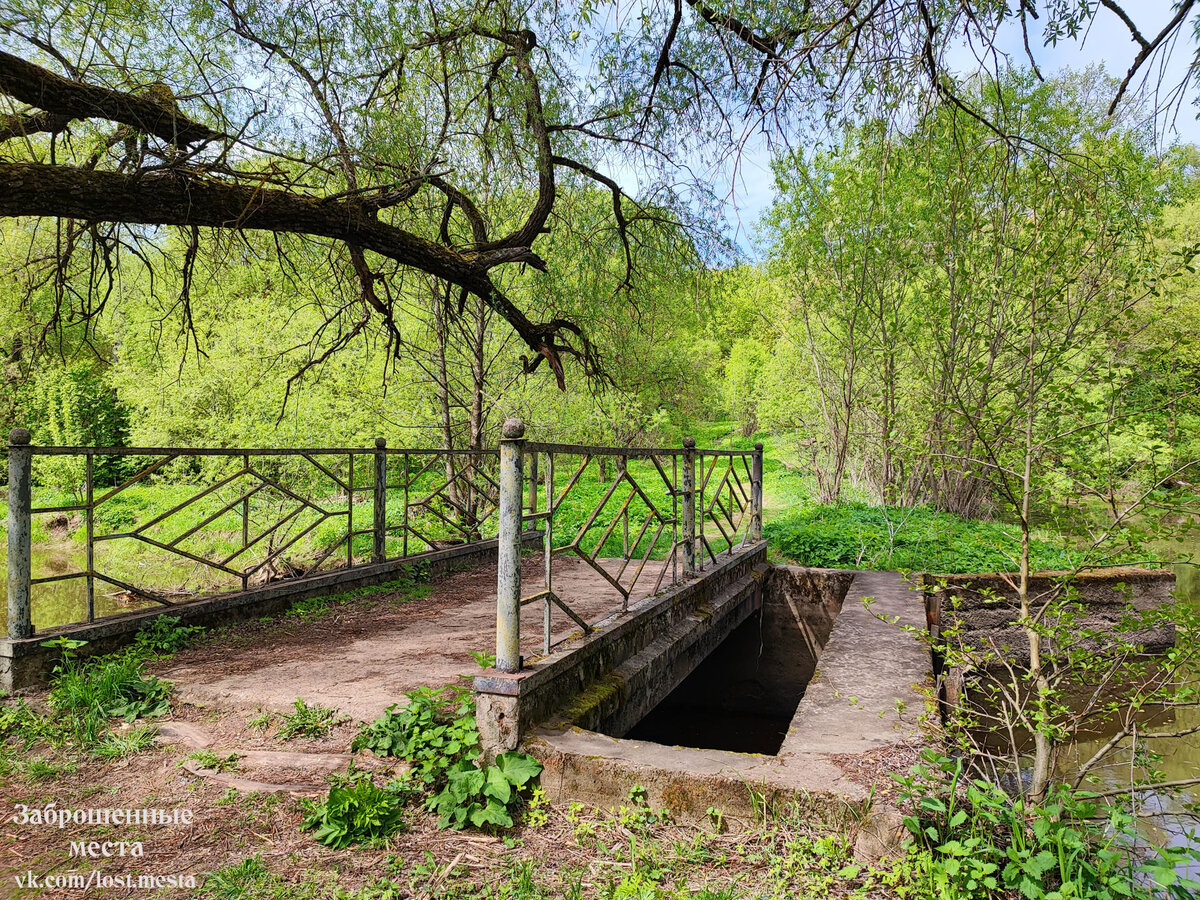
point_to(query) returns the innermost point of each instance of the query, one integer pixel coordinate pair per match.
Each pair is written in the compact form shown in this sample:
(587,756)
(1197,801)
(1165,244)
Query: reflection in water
(1167,821)
(63,602)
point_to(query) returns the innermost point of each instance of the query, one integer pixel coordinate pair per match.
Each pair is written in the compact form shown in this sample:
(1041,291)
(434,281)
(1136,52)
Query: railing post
(379,529)
(20,466)
(689,507)
(533,484)
(756,493)
(508,553)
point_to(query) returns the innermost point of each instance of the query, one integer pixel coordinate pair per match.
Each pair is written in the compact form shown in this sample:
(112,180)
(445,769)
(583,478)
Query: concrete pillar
(508,553)
(688,490)
(756,493)
(379,525)
(20,470)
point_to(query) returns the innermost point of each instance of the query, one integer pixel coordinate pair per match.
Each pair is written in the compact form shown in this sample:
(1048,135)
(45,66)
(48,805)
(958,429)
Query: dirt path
(362,656)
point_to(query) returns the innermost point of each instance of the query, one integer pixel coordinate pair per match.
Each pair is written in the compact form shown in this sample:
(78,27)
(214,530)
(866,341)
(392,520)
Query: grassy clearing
(857,536)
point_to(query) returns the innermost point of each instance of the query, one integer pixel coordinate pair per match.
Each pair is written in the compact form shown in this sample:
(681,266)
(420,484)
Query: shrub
(972,840)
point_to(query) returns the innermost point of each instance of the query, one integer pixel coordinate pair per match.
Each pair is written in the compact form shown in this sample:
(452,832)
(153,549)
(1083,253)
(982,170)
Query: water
(1167,821)
(65,602)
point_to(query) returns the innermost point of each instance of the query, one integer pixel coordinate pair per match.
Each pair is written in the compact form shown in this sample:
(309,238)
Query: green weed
(355,812)
(118,745)
(434,731)
(163,635)
(206,759)
(91,692)
(307,721)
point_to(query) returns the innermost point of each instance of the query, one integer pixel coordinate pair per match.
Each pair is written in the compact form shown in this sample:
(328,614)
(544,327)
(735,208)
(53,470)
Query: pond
(1167,821)
(63,602)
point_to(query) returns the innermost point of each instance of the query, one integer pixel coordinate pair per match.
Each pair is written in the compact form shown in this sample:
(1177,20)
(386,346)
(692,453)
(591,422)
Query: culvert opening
(743,695)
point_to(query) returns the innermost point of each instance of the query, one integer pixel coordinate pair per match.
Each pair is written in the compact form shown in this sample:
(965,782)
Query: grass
(858,536)
(206,759)
(307,721)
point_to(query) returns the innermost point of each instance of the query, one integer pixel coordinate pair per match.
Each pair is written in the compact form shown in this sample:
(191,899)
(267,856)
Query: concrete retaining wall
(612,677)
(25,663)
(982,611)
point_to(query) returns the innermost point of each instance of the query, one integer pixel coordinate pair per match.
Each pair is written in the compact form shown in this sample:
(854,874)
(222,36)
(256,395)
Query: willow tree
(384,134)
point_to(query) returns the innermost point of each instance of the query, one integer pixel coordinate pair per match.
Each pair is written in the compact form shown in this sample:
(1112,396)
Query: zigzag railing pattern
(623,512)
(197,521)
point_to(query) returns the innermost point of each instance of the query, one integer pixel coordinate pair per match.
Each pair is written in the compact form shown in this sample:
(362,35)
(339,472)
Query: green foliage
(89,692)
(858,536)
(307,721)
(164,635)
(434,731)
(249,879)
(355,812)
(482,797)
(206,759)
(120,744)
(972,840)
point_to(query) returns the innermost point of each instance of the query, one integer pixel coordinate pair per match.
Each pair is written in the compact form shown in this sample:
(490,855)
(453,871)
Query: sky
(1106,42)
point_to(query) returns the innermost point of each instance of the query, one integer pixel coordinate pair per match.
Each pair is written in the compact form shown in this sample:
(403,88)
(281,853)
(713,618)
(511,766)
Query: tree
(386,134)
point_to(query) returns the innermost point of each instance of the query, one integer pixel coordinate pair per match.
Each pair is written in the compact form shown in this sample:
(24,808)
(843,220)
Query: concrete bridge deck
(866,699)
(361,657)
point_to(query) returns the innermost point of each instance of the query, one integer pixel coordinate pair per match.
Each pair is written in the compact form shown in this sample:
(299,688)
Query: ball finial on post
(512,429)
(19,436)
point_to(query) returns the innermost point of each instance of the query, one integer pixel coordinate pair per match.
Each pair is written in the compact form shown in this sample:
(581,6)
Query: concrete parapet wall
(981,613)
(985,608)
(602,679)
(25,663)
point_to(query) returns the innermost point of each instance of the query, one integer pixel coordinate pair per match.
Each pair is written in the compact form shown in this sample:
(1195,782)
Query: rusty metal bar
(350,514)
(316,464)
(645,559)
(67,576)
(39,510)
(548,551)
(674,524)
(689,507)
(246,519)
(89,543)
(589,450)
(756,495)
(188,502)
(137,476)
(244,500)
(379,499)
(571,481)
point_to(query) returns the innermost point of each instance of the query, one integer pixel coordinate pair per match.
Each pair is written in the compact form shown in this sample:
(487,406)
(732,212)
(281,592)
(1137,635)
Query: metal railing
(239,518)
(679,509)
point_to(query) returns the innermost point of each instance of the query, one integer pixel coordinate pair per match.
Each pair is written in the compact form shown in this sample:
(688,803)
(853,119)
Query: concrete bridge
(649,642)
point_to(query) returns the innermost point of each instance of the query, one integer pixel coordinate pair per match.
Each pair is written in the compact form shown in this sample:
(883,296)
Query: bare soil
(361,657)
